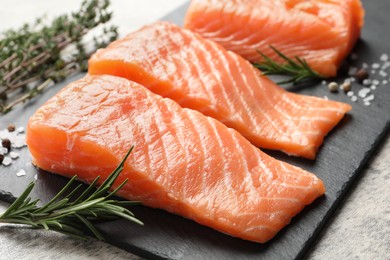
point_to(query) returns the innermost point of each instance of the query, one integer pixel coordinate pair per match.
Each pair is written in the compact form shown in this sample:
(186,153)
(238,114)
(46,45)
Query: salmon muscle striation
(183,161)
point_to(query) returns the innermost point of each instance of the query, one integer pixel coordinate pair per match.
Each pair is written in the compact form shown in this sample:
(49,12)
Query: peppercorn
(11,128)
(346,86)
(333,87)
(361,75)
(6,143)
(1,158)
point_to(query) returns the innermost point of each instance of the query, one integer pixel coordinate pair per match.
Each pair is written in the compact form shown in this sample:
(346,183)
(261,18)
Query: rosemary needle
(71,215)
(298,70)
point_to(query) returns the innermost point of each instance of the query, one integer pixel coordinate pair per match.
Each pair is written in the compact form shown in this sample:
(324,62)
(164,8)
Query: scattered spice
(11,137)
(6,143)
(361,75)
(346,86)
(333,86)
(11,128)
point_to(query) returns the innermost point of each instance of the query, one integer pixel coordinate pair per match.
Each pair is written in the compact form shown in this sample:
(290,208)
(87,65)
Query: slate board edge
(346,189)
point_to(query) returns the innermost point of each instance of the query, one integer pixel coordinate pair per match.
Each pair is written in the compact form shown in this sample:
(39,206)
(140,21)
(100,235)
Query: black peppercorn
(361,75)
(6,143)
(1,158)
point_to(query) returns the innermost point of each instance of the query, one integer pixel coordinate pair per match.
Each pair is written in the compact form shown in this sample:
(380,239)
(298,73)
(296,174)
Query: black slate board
(340,160)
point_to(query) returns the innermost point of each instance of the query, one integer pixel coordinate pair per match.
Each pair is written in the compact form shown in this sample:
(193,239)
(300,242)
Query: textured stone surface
(359,230)
(361,226)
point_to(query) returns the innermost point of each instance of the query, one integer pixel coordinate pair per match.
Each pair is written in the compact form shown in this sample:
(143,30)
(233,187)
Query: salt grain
(383,73)
(326,98)
(36,176)
(384,57)
(386,65)
(7,161)
(365,65)
(350,93)
(375,82)
(367,82)
(4,134)
(373,87)
(375,66)
(21,173)
(369,98)
(364,92)
(14,155)
(385,82)
(354,98)
(3,150)
(373,71)
(20,130)
(19,141)
(323,82)
(367,104)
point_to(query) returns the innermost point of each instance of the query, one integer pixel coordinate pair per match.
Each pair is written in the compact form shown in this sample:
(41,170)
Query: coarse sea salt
(367,82)
(375,66)
(375,82)
(350,93)
(385,82)
(3,150)
(384,57)
(354,98)
(14,155)
(367,104)
(7,161)
(19,141)
(21,173)
(364,92)
(20,129)
(383,74)
(369,98)
(373,87)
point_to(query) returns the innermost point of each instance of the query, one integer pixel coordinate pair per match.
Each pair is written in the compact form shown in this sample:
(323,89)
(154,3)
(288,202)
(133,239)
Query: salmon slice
(323,32)
(183,161)
(201,75)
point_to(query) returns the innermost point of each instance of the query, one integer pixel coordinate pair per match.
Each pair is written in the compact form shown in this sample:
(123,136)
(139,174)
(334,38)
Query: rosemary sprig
(72,214)
(36,52)
(297,69)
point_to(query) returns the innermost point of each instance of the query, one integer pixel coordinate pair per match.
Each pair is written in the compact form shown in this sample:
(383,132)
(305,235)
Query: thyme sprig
(298,70)
(72,214)
(35,53)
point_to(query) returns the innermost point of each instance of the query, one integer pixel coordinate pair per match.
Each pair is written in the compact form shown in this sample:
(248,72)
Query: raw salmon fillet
(183,161)
(201,75)
(323,32)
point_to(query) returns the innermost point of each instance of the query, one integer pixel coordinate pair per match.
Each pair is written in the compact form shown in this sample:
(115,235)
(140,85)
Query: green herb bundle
(72,214)
(33,54)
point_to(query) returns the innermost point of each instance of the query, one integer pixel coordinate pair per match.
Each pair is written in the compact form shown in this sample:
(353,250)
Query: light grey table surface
(360,228)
